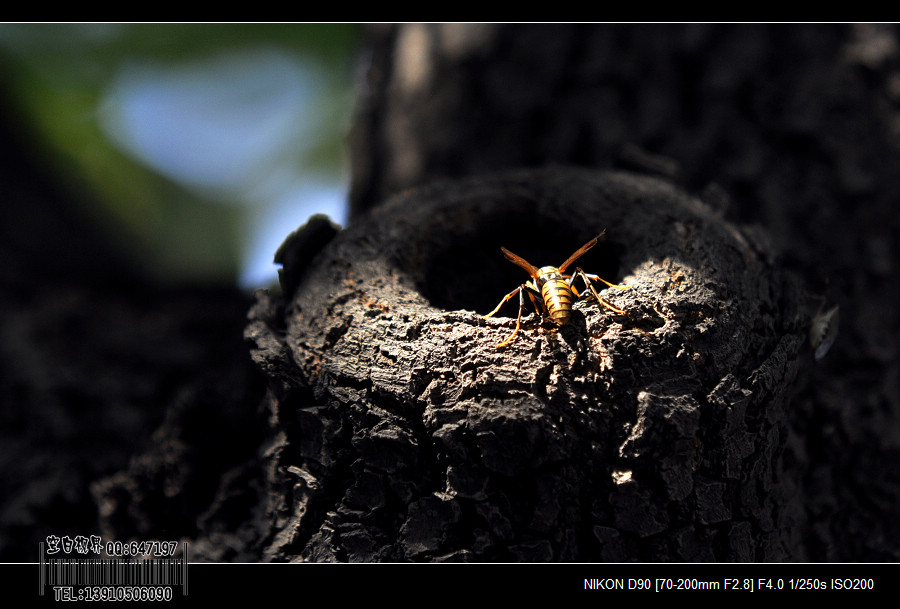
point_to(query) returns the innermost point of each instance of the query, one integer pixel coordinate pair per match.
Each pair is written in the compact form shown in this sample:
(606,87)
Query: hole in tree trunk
(467,270)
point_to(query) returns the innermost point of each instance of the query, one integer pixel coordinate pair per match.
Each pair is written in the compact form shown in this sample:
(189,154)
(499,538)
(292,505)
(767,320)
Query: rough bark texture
(404,433)
(797,124)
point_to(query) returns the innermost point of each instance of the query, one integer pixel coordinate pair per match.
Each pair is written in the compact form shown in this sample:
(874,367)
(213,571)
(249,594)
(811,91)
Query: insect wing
(581,250)
(530,268)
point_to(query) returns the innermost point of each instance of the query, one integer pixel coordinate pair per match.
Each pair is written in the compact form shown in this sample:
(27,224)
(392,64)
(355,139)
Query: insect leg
(534,295)
(505,300)
(587,282)
(597,278)
(570,279)
(518,319)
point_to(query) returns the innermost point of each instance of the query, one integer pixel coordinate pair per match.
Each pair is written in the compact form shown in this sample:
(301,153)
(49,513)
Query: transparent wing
(530,268)
(580,252)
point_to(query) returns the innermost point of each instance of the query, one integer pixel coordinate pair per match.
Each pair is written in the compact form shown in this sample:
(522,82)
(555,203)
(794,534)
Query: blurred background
(196,148)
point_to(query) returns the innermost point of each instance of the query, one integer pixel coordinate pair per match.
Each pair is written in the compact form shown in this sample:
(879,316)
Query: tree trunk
(675,431)
(655,434)
(746,180)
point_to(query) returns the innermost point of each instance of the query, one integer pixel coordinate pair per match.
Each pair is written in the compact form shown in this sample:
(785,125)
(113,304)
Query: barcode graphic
(114,571)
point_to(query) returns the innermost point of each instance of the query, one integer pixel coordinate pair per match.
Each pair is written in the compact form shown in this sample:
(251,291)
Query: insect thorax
(547,273)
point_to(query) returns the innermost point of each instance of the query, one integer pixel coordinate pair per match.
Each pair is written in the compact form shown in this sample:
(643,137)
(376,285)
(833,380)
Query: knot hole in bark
(464,267)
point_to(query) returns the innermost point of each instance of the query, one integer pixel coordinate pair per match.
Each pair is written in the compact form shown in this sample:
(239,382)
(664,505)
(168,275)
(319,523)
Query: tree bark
(803,147)
(794,125)
(754,188)
(404,433)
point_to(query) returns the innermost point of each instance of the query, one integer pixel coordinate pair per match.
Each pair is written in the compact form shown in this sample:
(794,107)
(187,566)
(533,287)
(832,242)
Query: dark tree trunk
(746,178)
(649,435)
(677,431)
(124,403)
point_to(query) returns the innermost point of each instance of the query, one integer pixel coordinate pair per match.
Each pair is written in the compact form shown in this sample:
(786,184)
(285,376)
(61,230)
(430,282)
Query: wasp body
(554,288)
(557,294)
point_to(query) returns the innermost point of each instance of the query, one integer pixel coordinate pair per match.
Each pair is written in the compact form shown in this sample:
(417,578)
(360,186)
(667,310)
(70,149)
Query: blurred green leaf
(57,75)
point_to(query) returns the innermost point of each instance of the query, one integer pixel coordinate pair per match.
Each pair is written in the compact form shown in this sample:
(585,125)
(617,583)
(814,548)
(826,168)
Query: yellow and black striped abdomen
(557,296)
